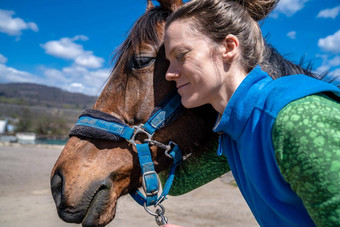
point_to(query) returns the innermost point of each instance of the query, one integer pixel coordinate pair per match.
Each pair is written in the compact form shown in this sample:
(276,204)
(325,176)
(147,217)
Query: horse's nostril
(57,188)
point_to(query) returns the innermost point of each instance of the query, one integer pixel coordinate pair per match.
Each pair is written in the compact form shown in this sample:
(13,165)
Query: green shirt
(306,138)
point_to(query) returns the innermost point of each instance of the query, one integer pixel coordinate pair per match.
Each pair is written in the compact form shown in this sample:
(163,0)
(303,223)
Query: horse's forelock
(143,31)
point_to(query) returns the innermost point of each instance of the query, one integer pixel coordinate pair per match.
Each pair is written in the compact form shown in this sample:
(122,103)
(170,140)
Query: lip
(95,207)
(183,85)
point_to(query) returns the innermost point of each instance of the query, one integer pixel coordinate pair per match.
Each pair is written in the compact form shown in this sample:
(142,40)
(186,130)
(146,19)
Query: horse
(92,173)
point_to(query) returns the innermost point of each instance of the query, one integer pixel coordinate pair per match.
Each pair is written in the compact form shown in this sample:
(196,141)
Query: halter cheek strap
(96,124)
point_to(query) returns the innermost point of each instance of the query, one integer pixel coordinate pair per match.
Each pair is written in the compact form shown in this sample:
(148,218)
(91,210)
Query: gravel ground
(25,197)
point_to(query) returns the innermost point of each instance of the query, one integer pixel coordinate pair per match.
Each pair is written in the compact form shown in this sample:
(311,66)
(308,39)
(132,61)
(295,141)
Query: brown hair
(218,18)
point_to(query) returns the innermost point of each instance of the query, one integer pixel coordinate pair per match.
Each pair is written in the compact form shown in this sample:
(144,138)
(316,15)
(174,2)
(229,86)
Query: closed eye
(181,56)
(138,62)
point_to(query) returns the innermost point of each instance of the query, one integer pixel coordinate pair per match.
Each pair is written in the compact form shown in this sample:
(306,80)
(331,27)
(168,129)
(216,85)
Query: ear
(149,5)
(170,5)
(230,48)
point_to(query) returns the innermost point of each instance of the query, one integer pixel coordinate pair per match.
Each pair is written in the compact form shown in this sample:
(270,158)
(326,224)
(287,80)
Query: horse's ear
(170,5)
(149,5)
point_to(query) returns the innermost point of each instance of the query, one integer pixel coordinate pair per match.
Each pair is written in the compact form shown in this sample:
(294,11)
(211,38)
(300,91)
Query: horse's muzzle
(89,208)
(57,188)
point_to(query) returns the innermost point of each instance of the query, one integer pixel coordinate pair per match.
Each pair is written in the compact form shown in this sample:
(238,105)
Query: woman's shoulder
(306,139)
(308,111)
(305,120)
(305,132)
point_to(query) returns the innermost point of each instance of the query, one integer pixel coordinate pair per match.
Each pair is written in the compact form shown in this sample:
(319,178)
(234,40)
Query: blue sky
(69,43)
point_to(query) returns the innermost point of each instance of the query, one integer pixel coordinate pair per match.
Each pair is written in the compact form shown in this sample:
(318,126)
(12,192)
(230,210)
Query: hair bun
(258,9)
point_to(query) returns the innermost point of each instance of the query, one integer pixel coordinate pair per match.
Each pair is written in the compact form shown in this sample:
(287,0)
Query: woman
(281,137)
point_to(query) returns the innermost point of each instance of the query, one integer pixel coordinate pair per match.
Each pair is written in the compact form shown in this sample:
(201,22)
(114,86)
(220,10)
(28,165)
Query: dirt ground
(25,197)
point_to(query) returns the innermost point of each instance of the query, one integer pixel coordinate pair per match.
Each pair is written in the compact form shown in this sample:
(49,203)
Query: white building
(3,126)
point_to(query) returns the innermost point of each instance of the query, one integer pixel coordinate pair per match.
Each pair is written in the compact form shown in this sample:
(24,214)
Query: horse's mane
(277,66)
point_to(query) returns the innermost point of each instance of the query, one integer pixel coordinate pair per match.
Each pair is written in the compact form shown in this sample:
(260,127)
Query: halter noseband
(96,124)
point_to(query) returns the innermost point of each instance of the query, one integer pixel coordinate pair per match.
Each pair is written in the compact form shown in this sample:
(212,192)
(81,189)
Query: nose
(172,73)
(57,188)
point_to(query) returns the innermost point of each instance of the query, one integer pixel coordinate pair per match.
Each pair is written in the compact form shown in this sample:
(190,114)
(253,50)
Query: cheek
(189,67)
(195,72)
(216,73)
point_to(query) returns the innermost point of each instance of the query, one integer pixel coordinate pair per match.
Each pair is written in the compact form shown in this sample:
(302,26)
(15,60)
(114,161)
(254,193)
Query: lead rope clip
(160,218)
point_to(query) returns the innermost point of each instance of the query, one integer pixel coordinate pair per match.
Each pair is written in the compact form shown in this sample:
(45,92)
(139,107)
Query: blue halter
(160,118)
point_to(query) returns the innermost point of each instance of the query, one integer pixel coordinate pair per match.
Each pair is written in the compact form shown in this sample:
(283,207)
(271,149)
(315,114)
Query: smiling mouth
(183,85)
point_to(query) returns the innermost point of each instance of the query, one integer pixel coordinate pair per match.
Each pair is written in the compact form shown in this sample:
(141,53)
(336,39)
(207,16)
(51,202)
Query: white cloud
(75,71)
(66,48)
(288,7)
(14,26)
(9,74)
(33,26)
(333,76)
(63,48)
(330,64)
(76,87)
(73,79)
(336,73)
(335,61)
(331,43)
(3,59)
(88,60)
(77,78)
(329,13)
(80,37)
(322,69)
(292,34)
(54,75)
(85,75)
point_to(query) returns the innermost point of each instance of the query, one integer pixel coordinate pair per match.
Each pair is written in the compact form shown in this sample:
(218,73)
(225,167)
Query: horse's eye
(138,62)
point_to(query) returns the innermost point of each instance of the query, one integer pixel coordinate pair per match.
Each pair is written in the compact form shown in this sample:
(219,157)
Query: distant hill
(47,111)
(45,96)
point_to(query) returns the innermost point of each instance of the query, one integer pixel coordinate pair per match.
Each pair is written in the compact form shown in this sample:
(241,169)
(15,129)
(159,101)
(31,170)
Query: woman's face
(195,65)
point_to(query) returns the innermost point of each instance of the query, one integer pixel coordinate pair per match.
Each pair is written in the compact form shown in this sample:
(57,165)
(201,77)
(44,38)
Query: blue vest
(246,140)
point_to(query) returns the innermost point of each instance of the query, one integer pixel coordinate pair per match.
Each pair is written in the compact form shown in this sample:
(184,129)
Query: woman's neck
(233,78)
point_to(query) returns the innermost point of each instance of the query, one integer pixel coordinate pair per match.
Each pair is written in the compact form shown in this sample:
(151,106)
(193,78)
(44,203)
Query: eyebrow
(170,53)
(174,49)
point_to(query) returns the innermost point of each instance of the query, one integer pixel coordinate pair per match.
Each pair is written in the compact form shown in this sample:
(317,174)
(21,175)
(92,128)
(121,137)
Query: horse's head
(91,174)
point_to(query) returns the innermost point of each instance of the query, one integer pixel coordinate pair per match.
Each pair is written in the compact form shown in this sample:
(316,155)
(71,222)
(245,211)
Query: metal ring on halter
(159,214)
(171,145)
(162,211)
(139,130)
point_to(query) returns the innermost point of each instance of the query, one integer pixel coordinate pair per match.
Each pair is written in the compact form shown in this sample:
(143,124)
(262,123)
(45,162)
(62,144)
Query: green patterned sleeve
(306,138)
(197,171)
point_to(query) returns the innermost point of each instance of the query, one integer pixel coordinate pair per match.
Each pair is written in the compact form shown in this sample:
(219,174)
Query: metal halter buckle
(144,184)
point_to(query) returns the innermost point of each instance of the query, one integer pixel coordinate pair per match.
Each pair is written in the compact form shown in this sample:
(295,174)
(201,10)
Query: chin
(190,103)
